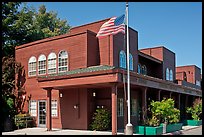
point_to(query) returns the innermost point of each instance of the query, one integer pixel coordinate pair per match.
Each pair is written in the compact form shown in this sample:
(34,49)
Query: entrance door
(42,113)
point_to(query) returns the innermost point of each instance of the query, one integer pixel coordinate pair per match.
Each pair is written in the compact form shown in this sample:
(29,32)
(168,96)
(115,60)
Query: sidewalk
(43,131)
(184,128)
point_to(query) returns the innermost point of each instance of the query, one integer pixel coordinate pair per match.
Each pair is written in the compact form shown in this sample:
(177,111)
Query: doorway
(42,113)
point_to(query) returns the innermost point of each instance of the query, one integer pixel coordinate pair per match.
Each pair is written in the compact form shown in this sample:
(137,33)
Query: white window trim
(66,57)
(54,108)
(31,108)
(42,58)
(52,57)
(30,62)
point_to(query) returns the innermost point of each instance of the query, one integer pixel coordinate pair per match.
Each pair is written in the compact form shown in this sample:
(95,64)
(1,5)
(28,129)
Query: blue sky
(175,25)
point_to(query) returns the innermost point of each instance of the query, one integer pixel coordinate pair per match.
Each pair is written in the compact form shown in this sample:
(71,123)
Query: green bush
(24,121)
(196,109)
(163,111)
(101,120)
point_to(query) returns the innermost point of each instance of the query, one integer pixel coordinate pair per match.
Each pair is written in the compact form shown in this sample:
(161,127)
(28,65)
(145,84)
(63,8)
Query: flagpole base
(129,129)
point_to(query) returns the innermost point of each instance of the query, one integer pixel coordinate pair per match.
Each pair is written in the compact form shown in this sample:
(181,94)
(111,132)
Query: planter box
(193,122)
(173,127)
(147,130)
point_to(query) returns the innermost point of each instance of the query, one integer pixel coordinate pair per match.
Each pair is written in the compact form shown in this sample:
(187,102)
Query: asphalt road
(195,131)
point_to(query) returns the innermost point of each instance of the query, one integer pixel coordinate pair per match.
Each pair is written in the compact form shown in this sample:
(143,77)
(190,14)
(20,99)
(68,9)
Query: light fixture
(60,95)
(94,94)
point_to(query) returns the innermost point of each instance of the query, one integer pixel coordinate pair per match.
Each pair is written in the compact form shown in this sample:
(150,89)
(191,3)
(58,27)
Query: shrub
(164,111)
(24,120)
(101,120)
(196,109)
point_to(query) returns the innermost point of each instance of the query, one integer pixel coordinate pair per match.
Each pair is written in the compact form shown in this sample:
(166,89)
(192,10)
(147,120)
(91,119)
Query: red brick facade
(74,92)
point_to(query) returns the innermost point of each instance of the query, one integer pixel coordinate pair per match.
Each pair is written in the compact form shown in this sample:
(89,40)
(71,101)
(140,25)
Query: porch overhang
(107,76)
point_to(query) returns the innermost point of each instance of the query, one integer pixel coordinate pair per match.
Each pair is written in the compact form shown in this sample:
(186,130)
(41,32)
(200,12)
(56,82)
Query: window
(52,63)
(167,73)
(120,107)
(122,59)
(144,70)
(32,66)
(41,64)
(138,68)
(54,108)
(171,75)
(198,82)
(33,108)
(133,107)
(63,61)
(131,61)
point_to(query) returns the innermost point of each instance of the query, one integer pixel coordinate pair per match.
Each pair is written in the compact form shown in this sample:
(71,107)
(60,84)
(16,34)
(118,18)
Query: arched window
(131,61)
(139,69)
(171,75)
(167,73)
(122,59)
(42,64)
(144,70)
(32,66)
(63,61)
(52,63)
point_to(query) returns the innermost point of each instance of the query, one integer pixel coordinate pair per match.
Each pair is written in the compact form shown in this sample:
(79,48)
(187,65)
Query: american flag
(112,27)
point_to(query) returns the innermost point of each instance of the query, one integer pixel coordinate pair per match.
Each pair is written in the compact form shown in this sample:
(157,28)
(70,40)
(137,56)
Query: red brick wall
(168,62)
(118,45)
(192,73)
(165,55)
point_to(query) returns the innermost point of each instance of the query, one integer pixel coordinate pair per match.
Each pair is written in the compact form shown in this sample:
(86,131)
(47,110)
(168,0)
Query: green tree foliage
(101,120)
(28,25)
(196,109)
(9,16)
(164,111)
(20,26)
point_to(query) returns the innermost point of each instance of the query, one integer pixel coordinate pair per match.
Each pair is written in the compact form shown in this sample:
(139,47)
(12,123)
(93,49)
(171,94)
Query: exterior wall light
(94,94)
(60,95)
(76,106)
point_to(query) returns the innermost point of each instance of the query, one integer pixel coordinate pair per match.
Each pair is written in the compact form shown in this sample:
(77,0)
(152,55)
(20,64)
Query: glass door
(42,113)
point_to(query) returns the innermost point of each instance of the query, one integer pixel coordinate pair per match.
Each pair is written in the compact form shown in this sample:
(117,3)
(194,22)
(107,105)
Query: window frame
(66,58)
(139,68)
(54,108)
(167,73)
(32,63)
(133,112)
(50,63)
(122,59)
(31,108)
(131,61)
(42,63)
(171,75)
(120,106)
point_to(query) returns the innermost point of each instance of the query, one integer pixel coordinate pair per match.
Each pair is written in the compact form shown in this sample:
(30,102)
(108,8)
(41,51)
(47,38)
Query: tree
(28,25)
(20,27)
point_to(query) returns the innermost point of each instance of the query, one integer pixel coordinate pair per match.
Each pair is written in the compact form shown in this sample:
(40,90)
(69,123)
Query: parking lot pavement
(43,131)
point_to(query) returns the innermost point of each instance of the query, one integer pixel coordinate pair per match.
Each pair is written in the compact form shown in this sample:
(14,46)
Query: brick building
(67,77)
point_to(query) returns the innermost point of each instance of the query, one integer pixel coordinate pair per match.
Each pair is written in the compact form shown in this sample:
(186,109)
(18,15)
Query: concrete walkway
(43,131)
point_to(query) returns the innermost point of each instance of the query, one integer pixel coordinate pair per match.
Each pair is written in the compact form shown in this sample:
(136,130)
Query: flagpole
(129,128)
